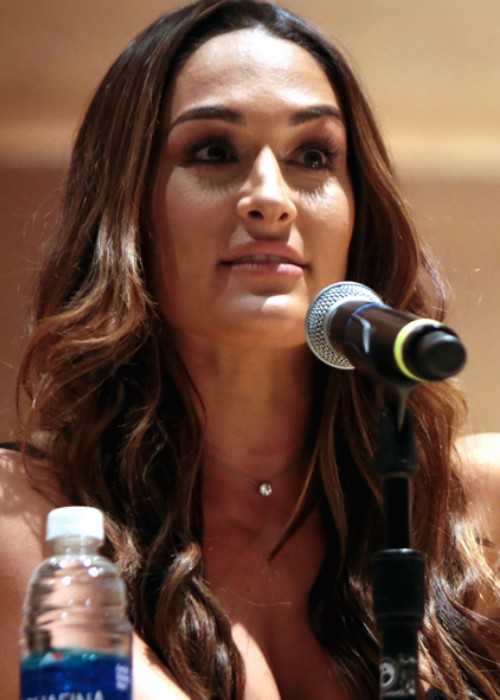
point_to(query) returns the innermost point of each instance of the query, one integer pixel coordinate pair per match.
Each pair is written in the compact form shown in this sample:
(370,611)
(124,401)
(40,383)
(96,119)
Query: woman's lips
(264,264)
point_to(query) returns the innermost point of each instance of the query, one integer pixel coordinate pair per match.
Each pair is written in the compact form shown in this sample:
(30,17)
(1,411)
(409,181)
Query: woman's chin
(271,322)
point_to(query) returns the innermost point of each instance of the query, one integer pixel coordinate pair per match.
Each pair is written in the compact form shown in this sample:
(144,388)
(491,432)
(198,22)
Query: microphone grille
(320,312)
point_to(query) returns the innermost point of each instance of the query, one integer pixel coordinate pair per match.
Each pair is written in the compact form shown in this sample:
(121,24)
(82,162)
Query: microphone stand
(398,573)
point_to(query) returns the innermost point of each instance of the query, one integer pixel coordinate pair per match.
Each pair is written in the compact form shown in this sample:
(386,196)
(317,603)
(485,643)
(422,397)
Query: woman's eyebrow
(315,112)
(231,115)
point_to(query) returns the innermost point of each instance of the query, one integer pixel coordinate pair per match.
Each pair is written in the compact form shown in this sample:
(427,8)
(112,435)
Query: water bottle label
(73,674)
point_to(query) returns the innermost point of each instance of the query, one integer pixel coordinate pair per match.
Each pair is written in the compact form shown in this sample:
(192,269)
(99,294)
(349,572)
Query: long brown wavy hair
(105,398)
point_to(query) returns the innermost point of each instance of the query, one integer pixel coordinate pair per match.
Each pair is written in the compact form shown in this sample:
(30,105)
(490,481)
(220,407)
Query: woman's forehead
(249,65)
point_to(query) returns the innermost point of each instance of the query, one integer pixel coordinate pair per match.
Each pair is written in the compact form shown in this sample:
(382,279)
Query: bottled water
(75,637)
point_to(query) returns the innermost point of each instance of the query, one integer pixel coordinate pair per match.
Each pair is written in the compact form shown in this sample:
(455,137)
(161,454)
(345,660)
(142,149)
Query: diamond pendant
(265,489)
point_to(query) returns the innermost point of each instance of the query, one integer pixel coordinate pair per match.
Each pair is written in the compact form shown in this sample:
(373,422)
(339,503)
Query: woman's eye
(211,153)
(317,157)
(214,152)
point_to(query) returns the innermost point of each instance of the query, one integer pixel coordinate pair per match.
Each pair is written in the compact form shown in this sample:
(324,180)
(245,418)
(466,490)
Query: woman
(227,169)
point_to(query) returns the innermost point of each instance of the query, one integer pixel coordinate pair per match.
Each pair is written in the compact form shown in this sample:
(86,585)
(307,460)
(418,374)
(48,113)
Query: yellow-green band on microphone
(401,339)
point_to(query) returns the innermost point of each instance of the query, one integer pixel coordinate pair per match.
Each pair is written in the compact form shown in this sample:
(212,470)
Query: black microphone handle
(396,345)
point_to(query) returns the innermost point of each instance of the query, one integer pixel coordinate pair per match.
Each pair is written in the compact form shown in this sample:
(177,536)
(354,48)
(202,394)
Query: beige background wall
(431,69)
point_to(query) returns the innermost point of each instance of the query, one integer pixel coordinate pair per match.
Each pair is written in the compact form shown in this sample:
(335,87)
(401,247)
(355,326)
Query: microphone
(348,326)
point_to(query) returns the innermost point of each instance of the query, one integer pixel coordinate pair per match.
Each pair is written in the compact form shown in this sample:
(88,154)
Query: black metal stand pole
(398,577)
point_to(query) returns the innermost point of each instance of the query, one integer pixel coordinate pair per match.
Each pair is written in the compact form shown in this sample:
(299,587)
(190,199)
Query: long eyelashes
(322,154)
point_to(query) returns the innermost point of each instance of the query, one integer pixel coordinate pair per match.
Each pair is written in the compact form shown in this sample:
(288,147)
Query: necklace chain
(264,488)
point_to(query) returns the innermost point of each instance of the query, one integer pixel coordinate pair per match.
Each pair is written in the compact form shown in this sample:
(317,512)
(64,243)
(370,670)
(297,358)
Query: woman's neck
(257,407)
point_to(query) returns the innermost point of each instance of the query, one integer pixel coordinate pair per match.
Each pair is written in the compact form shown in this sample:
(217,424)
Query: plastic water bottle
(76,638)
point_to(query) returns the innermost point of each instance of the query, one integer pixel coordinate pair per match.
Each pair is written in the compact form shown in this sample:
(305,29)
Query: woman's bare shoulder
(23,506)
(480,463)
(23,512)
(483,446)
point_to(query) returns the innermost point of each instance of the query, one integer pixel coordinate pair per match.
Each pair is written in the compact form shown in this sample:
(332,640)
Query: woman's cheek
(189,203)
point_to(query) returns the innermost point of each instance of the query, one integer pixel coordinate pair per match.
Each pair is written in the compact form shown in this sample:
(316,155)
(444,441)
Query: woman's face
(253,209)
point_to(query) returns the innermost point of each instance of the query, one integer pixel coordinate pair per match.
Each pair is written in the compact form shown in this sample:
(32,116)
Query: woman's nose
(266,201)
